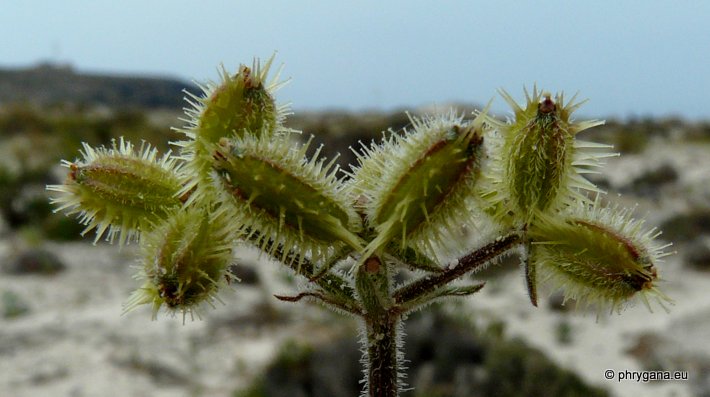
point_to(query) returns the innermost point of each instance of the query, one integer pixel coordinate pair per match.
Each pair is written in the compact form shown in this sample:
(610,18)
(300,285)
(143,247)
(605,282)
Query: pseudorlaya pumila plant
(238,177)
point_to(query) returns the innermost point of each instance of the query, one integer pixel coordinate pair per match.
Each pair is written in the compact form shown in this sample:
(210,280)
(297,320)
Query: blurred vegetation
(37,133)
(341,131)
(32,143)
(686,226)
(13,305)
(447,357)
(33,260)
(635,134)
(564,332)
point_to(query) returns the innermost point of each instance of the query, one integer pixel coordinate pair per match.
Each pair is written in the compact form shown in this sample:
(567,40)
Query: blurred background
(73,72)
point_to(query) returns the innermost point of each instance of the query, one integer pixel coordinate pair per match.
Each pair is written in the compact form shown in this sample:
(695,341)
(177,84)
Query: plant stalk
(466,264)
(381,324)
(382,355)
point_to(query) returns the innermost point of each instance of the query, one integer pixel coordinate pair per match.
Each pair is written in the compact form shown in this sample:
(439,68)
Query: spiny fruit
(414,188)
(241,104)
(280,195)
(185,261)
(119,189)
(539,164)
(598,255)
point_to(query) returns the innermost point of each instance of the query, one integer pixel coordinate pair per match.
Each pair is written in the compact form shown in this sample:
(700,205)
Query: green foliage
(61,228)
(524,372)
(255,390)
(564,329)
(13,305)
(290,371)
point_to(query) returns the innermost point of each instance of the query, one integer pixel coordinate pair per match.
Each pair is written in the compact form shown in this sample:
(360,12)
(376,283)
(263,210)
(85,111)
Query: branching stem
(466,264)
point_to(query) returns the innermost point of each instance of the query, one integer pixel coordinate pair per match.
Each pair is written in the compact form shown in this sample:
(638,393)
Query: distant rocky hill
(49,84)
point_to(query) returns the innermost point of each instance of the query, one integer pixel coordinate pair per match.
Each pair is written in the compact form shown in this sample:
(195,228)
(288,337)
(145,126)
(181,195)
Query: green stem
(381,323)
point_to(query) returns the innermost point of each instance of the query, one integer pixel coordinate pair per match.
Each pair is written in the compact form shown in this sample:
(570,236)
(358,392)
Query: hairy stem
(468,263)
(328,281)
(382,355)
(381,321)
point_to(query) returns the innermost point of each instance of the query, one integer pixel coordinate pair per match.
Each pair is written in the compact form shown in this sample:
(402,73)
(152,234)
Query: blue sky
(629,58)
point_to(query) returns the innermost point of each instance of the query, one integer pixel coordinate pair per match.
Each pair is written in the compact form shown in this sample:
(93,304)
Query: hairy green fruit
(241,104)
(416,186)
(185,261)
(539,162)
(280,195)
(598,255)
(118,190)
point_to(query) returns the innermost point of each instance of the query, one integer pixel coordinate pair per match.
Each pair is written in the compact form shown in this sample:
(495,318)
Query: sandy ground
(599,344)
(76,342)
